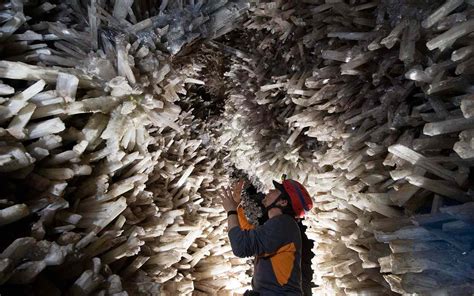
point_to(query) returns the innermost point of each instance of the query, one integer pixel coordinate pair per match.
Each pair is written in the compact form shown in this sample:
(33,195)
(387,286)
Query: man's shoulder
(282,220)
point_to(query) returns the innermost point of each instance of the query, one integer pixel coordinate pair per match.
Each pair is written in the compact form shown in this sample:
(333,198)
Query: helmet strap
(274,205)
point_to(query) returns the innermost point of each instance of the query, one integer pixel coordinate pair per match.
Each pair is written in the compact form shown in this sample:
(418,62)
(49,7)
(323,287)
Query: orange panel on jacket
(243,222)
(282,262)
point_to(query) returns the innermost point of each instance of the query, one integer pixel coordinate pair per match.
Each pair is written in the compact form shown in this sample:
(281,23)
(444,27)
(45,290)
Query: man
(277,243)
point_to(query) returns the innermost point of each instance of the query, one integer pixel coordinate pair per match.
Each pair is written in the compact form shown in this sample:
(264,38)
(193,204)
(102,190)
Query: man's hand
(231,197)
(237,189)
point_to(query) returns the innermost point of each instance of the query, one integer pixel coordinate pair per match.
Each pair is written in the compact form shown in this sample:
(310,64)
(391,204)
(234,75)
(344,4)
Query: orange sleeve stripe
(243,222)
(282,263)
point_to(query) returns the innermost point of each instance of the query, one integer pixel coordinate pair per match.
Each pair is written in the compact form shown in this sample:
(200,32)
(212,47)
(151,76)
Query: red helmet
(300,199)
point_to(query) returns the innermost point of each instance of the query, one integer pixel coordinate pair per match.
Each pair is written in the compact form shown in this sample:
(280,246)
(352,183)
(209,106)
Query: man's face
(271,196)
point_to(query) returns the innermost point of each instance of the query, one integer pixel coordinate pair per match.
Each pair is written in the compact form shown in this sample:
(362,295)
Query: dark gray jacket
(277,247)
